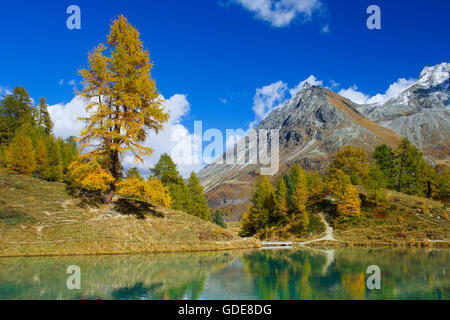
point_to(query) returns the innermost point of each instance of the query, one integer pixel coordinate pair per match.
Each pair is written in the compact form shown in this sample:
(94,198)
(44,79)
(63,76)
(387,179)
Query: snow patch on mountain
(435,76)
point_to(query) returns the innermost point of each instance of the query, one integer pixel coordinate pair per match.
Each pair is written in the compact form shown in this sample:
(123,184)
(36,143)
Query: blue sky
(217,53)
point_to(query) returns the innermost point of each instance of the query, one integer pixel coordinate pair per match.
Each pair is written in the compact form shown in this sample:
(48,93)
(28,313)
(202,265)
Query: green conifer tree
(180,195)
(133,172)
(375,184)
(43,117)
(166,170)
(53,169)
(384,158)
(16,110)
(198,205)
(409,165)
(217,218)
(295,174)
(69,153)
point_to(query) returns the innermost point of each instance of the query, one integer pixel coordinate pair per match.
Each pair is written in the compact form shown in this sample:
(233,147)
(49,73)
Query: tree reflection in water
(257,274)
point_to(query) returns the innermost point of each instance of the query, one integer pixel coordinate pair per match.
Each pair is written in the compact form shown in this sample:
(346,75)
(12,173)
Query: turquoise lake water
(256,274)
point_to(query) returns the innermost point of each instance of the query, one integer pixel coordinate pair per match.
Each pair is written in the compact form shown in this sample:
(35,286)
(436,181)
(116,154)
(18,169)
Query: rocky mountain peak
(421,113)
(435,75)
(313,126)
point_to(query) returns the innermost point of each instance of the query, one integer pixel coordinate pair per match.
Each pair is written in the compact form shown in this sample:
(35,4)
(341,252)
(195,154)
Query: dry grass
(41,218)
(411,220)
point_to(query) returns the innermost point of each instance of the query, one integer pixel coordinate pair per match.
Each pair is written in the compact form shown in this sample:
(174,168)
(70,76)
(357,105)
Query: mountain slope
(421,112)
(313,126)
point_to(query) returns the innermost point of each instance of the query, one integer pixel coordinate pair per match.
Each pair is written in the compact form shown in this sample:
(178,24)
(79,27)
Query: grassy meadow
(43,218)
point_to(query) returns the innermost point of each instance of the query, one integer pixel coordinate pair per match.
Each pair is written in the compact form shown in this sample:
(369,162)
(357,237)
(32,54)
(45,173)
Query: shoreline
(376,244)
(213,247)
(246,244)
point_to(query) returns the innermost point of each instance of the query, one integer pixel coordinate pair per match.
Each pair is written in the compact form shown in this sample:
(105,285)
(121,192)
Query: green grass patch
(12,217)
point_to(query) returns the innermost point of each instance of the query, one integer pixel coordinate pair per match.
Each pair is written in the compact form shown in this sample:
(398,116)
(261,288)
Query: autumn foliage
(350,204)
(20,155)
(284,207)
(91,175)
(124,103)
(151,190)
(353,161)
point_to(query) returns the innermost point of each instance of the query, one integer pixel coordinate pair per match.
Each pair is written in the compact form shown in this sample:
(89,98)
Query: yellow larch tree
(301,192)
(353,161)
(20,155)
(350,205)
(91,175)
(300,199)
(124,103)
(41,156)
(281,204)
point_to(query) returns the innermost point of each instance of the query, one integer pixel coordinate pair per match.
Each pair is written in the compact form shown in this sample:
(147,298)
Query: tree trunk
(428,189)
(115,163)
(109,197)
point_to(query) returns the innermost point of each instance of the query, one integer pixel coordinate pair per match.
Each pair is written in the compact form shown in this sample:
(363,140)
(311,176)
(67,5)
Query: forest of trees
(188,197)
(289,205)
(27,145)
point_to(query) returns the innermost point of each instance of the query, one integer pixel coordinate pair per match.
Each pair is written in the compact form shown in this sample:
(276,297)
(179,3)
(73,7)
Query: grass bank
(39,218)
(411,220)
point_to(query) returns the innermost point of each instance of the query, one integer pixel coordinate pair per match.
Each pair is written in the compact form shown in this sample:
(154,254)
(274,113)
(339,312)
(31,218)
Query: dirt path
(328,232)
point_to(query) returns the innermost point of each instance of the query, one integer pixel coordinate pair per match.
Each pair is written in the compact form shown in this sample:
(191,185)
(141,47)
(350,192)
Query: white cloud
(71,83)
(312,80)
(174,135)
(359,97)
(274,95)
(354,95)
(66,124)
(4,91)
(267,99)
(177,106)
(326,29)
(280,13)
(65,117)
(333,84)
(394,89)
